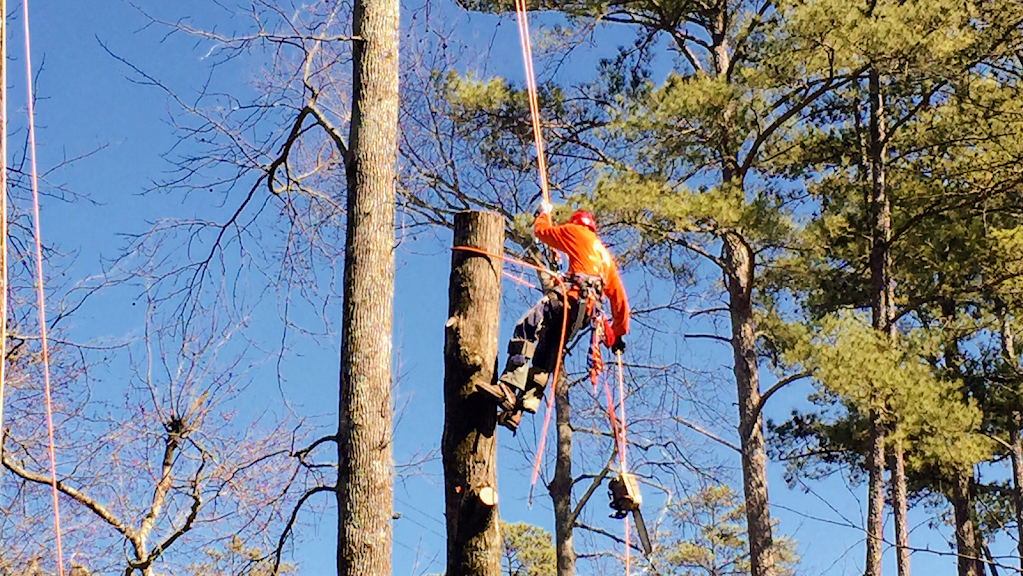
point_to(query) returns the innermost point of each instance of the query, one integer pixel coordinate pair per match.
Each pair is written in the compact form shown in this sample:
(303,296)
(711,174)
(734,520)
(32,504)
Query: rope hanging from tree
(40,292)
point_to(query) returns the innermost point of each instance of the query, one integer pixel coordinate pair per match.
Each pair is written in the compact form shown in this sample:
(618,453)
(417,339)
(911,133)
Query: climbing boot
(530,399)
(501,393)
(510,419)
(514,377)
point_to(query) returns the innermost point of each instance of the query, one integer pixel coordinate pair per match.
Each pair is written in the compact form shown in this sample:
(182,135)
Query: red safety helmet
(583,218)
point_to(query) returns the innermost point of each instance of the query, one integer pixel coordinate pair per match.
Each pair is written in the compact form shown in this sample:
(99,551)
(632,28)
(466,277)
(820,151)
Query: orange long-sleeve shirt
(587,255)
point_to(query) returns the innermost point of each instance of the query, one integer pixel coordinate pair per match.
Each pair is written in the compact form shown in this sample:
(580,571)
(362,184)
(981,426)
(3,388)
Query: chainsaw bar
(644,538)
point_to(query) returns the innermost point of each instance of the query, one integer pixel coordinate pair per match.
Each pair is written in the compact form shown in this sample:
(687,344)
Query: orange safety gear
(583,218)
(587,255)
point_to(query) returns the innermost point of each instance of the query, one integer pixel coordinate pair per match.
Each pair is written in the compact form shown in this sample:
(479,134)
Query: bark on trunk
(468,444)
(1016,453)
(364,417)
(875,497)
(882,297)
(740,270)
(966,537)
(739,273)
(561,484)
(898,481)
(1015,443)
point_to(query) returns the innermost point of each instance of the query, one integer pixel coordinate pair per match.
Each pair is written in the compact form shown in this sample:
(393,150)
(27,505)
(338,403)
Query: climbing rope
(534,107)
(40,293)
(3,229)
(617,422)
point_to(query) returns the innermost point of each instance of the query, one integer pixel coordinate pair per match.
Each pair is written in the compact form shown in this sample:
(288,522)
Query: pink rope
(621,410)
(40,293)
(3,237)
(534,106)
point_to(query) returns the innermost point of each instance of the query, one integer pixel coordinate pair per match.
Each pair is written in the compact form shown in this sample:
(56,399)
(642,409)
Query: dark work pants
(542,325)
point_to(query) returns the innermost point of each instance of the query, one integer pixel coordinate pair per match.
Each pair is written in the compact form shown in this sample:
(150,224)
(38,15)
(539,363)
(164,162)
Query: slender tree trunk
(875,496)
(990,560)
(1015,443)
(1016,454)
(740,266)
(882,313)
(898,482)
(468,444)
(967,548)
(365,463)
(739,273)
(561,485)
(966,538)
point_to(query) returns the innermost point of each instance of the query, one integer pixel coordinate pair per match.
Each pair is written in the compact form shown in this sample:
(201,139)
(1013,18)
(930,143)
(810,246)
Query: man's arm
(615,293)
(556,237)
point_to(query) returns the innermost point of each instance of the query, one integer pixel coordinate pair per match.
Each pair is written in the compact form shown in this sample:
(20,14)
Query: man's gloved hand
(619,346)
(545,208)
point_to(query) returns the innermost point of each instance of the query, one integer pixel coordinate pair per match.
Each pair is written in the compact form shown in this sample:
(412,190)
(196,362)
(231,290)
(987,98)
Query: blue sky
(88,104)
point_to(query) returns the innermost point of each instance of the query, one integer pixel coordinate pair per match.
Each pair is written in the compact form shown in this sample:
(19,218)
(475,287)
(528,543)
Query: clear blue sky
(87,103)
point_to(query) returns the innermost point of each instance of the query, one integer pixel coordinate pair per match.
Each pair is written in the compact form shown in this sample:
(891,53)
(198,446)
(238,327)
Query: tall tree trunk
(1015,443)
(739,273)
(898,482)
(365,461)
(966,537)
(740,270)
(561,484)
(468,444)
(882,302)
(1016,453)
(875,496)
(967,548)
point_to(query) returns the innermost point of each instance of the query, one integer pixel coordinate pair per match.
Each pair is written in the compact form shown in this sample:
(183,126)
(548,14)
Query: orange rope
(621,407)
(518,280)
(626,521)
(534,107)
(622,445)
(40,293)
(3,229)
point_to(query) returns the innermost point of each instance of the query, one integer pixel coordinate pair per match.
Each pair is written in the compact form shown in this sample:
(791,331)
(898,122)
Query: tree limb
(75,495)
(291,524)
(777,386)
(593,486)
(699,429)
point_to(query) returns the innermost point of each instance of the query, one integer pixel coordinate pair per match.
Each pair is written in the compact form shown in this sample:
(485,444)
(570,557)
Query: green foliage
(709,537)
(862,370)
(527,550)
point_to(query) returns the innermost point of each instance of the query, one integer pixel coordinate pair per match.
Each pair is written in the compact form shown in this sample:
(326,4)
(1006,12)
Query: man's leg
(549,347)
(521,349)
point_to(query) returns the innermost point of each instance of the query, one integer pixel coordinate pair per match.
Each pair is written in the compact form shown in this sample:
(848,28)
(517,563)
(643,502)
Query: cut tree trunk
(468,444)
(561,484)
(365,464)
(739,270)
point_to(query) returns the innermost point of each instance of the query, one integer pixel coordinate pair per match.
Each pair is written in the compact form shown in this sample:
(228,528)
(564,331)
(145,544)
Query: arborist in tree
(592,275)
